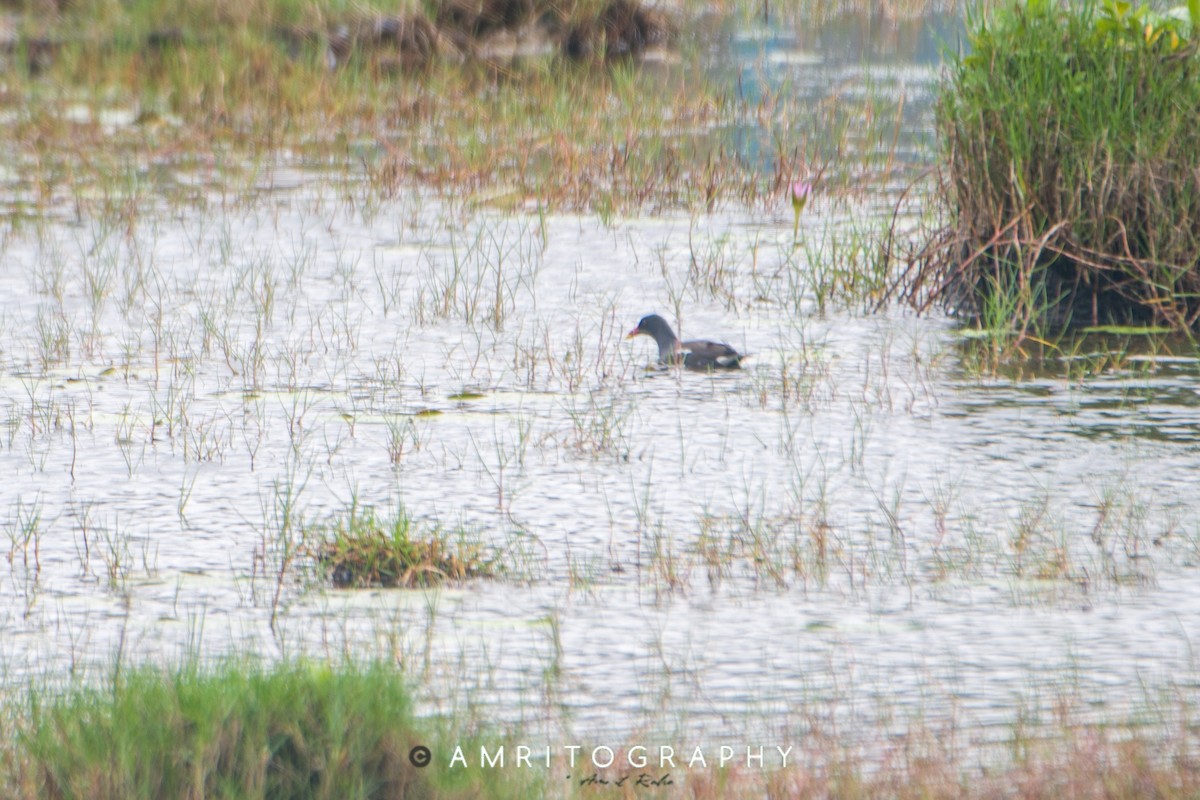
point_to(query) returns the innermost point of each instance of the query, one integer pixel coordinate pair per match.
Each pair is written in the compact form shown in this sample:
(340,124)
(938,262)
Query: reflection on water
(1123,387)
(860,80)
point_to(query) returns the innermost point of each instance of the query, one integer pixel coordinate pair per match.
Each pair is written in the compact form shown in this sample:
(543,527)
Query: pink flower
(800,192)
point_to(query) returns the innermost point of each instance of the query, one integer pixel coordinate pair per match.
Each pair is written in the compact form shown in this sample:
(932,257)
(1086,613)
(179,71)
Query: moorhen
(697,354)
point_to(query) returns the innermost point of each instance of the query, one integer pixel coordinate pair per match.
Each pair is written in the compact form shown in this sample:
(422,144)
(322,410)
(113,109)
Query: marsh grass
(1069,153)
(293,730)
(191,103)
(1040,553)
(361,549)
(304,729)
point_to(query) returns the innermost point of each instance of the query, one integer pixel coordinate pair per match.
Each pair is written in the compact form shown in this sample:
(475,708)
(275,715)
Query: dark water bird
(697,354)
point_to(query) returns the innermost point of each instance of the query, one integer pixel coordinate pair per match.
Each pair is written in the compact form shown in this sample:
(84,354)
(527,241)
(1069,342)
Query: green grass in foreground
(296,730)
(304,730)
(1070,156)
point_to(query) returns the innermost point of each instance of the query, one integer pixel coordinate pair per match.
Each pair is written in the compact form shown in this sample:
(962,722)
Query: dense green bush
(1070,171)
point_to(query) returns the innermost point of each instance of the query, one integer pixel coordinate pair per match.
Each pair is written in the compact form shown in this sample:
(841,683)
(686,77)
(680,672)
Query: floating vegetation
(360,549)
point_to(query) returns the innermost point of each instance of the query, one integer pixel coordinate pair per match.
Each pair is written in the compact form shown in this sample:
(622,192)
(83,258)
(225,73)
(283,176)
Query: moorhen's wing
(704,354)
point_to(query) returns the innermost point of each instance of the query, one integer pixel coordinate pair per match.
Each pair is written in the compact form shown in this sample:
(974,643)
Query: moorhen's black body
(697,354)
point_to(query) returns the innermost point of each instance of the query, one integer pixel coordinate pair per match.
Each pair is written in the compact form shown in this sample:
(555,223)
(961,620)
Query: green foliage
(362,549)
(1071,163)
(297,731)
(1142,26)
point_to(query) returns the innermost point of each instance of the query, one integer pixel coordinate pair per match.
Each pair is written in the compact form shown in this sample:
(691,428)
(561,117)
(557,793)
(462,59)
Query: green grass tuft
(298,730)
(361,549)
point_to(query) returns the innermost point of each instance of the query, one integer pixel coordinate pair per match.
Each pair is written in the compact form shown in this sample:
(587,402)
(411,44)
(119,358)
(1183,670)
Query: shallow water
(156,476)
(859,532)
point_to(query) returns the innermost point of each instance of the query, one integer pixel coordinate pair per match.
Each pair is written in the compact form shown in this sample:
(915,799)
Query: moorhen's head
(657,328)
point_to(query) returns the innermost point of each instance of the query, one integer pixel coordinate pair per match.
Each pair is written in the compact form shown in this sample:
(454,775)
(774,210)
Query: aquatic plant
(361,549)
(303,729)
(1068,176)
(241,729)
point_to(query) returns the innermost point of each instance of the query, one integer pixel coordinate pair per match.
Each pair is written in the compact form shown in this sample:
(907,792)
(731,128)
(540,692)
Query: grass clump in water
(296,730)
(1071,172)
(361,549)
